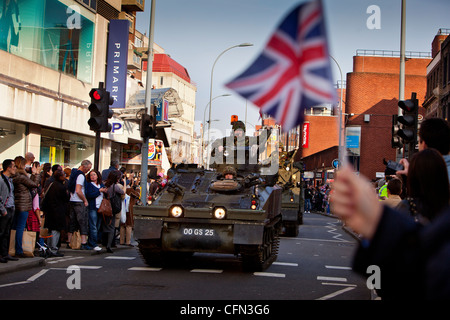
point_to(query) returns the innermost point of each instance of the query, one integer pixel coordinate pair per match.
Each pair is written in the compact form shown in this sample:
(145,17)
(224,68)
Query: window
(445,72)
(50,33)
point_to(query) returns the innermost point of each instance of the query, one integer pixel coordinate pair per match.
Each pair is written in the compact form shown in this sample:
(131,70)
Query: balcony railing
(391,53)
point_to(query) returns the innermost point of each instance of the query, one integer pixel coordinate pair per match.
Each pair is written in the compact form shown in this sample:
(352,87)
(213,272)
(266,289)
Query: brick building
(437,102)
(372,99)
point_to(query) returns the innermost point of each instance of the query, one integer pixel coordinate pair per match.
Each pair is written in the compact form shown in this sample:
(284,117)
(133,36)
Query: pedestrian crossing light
(100,111)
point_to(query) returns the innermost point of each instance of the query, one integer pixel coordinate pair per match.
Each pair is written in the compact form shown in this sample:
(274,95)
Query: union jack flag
(293,72)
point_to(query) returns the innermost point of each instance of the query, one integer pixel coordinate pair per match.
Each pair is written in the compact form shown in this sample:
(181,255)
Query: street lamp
(341,149)
(211,86)
(203,123)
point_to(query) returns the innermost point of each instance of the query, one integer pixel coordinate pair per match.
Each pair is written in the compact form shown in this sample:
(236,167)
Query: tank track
(259,257)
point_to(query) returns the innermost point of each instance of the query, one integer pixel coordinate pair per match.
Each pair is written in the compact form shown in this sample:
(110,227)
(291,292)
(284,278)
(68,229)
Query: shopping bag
(44,231)
(75,242)
(28,243)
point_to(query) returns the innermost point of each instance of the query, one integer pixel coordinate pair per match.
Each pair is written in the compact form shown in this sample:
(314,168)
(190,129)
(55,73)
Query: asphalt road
(313,266)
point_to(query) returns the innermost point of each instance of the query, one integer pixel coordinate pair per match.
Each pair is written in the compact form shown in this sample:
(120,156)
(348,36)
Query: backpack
(116,202)
(73,179)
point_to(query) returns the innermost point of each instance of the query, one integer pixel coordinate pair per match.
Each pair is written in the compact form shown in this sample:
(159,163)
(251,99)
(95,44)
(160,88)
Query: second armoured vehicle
(232,209)
(292,202)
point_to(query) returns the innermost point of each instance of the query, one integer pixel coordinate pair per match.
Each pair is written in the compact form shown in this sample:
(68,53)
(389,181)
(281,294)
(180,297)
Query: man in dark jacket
(414,260)
(6,208)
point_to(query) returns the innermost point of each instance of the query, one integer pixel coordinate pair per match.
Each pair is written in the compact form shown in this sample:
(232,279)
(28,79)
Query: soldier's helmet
(229,170)
(238,125)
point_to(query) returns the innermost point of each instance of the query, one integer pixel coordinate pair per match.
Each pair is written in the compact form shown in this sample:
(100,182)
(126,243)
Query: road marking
(325,240)
(14,284)
(119,258)
(338,268)
(290,264)
(207,270)
(334,294)
(63,260)
(37,275)
(81,267)
(270,274)
(338,284)
(144,269)
(332,279)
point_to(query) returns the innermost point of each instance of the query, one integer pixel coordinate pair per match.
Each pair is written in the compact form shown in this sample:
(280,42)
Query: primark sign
(116,69)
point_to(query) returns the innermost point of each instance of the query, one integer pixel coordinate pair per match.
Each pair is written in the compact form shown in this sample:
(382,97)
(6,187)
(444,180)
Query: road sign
(335,163)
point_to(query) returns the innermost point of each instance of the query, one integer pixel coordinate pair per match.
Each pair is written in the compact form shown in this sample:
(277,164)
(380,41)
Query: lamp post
(211,86)
(340,151)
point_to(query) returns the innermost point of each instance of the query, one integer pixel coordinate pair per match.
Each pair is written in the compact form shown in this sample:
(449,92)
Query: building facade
(372,98)
(52,53)
(437,102)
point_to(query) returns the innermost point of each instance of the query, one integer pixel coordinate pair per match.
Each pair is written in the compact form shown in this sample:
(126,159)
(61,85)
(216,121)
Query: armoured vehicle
(202,210)
(292,202)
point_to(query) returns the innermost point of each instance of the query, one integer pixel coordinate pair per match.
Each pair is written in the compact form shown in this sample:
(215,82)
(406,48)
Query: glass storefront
(58,34)
(66,149)
(12,140)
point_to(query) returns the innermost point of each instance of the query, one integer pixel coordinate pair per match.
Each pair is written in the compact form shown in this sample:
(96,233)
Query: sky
(196,32)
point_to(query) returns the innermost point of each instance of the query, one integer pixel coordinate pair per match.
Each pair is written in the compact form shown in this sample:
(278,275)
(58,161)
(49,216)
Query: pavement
(37,261)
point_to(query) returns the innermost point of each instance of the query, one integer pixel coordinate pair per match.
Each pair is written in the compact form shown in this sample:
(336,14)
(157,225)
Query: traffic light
(146,126)
(404,127)
(100,111)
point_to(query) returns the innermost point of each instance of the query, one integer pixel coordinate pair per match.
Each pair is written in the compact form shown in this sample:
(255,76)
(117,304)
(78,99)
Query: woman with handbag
(94,194)
(23,200)
(114,194)
(56,203)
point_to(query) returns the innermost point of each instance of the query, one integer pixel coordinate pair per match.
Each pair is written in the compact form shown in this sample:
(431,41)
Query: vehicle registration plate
(198,232)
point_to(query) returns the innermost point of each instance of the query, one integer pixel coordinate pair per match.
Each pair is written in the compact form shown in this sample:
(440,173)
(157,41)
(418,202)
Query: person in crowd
(67,171)
(433,133)
(308,197)
(23,200)
(427,186)
(394,190)
(154,186)
(413,258)
(78,211)
(46,174)
(127,227)
(35,215)
(114,189)
(56,203)
(125,181)
(29,159)
(94,194)
(6,208)
(114,166)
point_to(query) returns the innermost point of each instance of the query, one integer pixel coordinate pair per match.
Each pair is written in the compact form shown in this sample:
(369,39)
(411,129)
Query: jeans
(20,222)
(307,205)
(94,226)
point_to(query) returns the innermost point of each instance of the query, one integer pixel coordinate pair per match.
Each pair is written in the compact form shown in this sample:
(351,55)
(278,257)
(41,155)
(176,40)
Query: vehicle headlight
(176,211)
(220,213)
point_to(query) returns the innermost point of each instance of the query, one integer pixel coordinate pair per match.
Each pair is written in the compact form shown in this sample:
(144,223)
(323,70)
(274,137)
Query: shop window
(65,149)
(12,140)
(50,33)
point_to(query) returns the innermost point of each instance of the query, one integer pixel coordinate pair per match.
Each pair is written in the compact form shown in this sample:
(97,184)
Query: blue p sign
(117,128)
